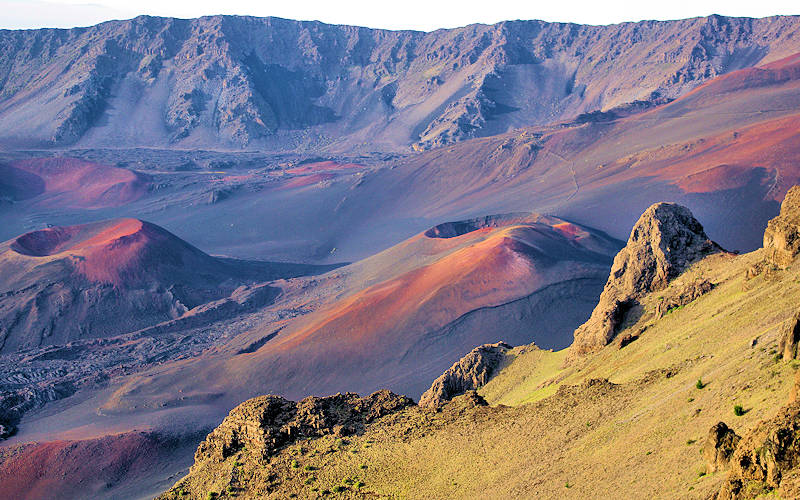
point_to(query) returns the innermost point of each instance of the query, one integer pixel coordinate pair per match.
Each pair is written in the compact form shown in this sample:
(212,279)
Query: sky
(423,15)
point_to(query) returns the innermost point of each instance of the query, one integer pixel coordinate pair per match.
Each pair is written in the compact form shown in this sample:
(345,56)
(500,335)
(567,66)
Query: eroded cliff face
(243,80)
(665,241)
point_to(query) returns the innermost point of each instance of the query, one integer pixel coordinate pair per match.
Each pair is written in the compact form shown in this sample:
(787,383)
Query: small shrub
(738,410)
(360,484)
(690,442)
(363,466)
(237,463)
(339,488)
(211,495)
(700,384)
(309,468)
(310,479)
(690,400)
(701,473)
(567,485)
(295,465)
(326,492)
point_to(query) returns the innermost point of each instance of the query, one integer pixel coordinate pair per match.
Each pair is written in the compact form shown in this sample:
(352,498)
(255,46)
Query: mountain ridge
(245,81)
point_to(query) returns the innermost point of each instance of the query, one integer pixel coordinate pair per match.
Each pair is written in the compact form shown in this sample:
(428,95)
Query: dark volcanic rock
(665,241)
(470,372)
(782,236)
(719,446)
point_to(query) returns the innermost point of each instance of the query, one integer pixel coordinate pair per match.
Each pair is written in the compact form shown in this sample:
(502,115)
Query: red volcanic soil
(503,265)
(84,469)
(107,252)
(75,183)
(406,314)
(725,161)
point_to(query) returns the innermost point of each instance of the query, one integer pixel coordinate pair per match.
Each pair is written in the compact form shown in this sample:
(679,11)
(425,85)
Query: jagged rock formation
(469,373)
(782,236)
(266,423)
(719,446)
(663,243)
(243,80)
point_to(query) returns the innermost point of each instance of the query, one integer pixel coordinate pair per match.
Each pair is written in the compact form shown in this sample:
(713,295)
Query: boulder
(469,373)
(719,446)
(790,335)
(665,241)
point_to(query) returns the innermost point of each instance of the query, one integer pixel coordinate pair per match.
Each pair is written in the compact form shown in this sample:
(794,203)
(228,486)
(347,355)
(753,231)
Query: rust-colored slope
(406,314)
(91,468)
(74,183)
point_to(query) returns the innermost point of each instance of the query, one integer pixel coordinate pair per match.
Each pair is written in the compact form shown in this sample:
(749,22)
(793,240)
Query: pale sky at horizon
(407,14)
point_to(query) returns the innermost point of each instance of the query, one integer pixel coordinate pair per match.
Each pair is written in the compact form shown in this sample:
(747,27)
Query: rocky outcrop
(469,373)
(719,446)
(267,423)
(790,335)
(684,295)
(665,241)
(782,236)
(766,459)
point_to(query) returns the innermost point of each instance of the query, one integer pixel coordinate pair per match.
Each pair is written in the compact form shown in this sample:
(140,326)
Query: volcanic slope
(70,183)
(398,319)
(725,150)
(63,284)
(243,81)
(420,305)
(628,420)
